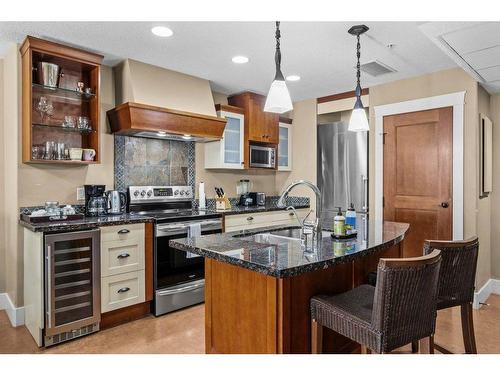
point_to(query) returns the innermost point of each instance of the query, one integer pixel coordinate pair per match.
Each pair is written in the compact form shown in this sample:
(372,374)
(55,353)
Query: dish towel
(194,230)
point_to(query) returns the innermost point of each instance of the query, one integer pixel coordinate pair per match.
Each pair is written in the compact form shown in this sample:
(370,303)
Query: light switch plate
(80,194)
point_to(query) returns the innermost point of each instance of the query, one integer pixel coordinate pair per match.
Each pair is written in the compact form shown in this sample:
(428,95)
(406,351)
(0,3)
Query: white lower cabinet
(122,290)
(262,219)
(122,266)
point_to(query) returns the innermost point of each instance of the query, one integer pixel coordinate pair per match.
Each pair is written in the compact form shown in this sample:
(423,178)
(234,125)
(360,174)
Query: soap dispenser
(350,217)
(339,223)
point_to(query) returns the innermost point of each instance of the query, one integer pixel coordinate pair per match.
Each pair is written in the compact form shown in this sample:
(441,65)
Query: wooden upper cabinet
(260,126)
(58,114)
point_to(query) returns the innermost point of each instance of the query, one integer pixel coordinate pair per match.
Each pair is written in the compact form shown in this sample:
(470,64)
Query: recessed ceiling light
(240,59)
(162,31)
(293,78)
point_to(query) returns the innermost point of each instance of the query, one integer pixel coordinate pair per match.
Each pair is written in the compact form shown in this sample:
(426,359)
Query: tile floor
(183,332)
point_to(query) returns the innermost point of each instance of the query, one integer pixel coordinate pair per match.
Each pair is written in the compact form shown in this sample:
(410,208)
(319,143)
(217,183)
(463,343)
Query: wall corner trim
(492,286)
(15,314)
(455,100)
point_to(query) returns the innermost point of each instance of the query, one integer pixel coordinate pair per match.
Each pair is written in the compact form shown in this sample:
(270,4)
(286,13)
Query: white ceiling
(322,53)
(475,46)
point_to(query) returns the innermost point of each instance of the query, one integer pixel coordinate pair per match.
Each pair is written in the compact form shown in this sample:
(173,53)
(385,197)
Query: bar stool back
(399,310)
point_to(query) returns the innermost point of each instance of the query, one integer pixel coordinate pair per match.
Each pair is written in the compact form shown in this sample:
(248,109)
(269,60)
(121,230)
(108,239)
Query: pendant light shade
(359,120)
(278,99)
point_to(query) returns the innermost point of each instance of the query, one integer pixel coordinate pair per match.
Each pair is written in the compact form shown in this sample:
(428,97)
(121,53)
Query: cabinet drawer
(122,232)
(122,290)
(122,256)
(262,219)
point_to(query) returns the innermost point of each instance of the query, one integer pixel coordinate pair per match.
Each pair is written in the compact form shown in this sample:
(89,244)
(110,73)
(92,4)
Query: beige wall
(11,126)
(304,130)
(263,181)
(2,188)
(444,82)
(495,195)
(483,204)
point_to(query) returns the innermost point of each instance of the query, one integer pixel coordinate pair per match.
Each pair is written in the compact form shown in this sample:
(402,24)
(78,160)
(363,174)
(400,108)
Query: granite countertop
(289,259)
(85,223)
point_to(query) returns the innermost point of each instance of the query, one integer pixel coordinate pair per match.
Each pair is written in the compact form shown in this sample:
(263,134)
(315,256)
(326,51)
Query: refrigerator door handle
(364,183)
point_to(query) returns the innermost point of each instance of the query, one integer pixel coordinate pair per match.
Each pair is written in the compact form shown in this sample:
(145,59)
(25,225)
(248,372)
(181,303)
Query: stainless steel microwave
(262,156)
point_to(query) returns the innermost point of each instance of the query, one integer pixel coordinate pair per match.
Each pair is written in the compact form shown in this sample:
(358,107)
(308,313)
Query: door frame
(455,100)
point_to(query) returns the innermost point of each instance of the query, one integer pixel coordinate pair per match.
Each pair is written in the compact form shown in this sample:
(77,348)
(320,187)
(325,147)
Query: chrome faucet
(308,227)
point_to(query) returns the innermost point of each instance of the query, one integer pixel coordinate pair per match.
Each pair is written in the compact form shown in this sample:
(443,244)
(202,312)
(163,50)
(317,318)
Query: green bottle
(339,223)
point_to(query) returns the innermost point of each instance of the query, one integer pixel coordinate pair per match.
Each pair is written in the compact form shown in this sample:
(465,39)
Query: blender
(243,189)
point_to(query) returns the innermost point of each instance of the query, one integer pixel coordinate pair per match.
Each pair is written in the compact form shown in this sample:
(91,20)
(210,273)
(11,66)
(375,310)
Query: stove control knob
(182,192)
(176,192)
(149,193)
(136,193)
(187,193)
(143,193)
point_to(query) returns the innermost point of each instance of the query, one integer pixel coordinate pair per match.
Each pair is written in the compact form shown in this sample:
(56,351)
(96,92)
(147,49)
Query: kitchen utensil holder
(222,204)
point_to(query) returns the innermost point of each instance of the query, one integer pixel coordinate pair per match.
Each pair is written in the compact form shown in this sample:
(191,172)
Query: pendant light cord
(277,56)
(358,68)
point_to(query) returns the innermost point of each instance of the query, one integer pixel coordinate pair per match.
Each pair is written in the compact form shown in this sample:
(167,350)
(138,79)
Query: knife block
(222,204)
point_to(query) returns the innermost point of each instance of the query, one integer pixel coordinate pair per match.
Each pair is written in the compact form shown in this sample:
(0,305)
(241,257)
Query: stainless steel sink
(271,238)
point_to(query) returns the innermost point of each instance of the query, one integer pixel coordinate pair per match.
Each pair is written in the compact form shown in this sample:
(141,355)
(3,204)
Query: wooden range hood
(141,120)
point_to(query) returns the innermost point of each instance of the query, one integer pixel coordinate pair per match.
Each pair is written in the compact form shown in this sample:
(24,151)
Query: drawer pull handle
(124,255)
(123,231)
(123,290)
(250,218)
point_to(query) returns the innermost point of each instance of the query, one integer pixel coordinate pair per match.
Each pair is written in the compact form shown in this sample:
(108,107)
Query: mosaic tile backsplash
(144,161)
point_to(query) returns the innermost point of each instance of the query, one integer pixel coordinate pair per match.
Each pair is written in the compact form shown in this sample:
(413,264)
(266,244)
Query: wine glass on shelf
(45,108)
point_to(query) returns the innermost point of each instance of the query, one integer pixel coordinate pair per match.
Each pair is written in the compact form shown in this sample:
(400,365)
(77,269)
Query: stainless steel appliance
(342,163)
(260,199)
(178,275)
(72,285)
(117,202)
(96,203)
(262,156)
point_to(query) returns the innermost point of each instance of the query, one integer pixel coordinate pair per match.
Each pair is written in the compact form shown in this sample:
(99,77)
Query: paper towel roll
(201,196)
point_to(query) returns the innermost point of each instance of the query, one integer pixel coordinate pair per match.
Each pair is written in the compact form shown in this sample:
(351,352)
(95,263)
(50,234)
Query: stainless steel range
(179,276)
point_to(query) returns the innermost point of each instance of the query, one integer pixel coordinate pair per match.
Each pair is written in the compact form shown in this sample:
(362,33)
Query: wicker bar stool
(399,310)
(456,283)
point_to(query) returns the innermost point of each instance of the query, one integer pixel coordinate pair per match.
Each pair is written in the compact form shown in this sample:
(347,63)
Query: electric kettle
(117,202)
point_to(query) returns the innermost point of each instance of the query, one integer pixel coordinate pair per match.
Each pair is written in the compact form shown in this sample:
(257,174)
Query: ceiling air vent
(376,68)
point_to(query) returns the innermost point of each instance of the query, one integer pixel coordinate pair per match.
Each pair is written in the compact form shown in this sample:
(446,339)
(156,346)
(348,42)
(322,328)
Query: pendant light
(358,121)
(278,99)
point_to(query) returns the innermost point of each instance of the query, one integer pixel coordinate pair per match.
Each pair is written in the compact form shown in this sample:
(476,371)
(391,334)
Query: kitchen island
(258,283)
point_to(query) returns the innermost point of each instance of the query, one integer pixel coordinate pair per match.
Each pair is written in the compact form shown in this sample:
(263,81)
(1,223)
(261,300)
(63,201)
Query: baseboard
(15,314)
(492,286)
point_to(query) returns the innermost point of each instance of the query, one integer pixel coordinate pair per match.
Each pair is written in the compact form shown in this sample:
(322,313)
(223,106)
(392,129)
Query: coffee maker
(95,201)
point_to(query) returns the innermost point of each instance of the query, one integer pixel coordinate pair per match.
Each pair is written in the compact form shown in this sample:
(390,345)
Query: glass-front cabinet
(285,146)
(227,153)
(72,285)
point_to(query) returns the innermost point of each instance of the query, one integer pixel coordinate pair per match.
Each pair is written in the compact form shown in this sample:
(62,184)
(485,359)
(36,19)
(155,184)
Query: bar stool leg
(426,345)
(468,328)
(414,347)
(316,337)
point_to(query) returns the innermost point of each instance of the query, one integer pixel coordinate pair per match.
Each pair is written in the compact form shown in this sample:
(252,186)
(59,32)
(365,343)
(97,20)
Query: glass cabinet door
(232,145)
(284,148)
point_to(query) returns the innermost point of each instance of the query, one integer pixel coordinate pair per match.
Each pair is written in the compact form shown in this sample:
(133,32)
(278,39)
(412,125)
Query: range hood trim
(132,118)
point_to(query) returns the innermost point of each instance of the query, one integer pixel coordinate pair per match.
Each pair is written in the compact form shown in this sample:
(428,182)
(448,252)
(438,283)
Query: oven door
(262,157)
(179,274)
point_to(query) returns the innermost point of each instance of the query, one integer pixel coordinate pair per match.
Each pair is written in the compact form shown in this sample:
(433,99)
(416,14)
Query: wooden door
(418,175)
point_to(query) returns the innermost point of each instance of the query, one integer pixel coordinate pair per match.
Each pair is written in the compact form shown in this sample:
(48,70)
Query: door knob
(444,204)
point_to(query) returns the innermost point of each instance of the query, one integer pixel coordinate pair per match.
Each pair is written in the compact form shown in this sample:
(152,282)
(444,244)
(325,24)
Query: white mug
(75,153)
(88,154)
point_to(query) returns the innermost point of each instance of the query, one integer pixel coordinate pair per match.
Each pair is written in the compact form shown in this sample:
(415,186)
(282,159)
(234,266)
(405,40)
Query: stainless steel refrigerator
(342,168)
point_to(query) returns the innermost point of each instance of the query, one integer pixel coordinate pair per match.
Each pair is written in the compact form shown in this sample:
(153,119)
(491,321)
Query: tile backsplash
(144,161)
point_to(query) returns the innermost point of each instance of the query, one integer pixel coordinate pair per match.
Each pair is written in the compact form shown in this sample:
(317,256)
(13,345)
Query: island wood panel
(249,312)
(240,310)
(295,313)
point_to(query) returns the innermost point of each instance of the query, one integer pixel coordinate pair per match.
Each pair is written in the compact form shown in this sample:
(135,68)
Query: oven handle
(162,231)
(182,289)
